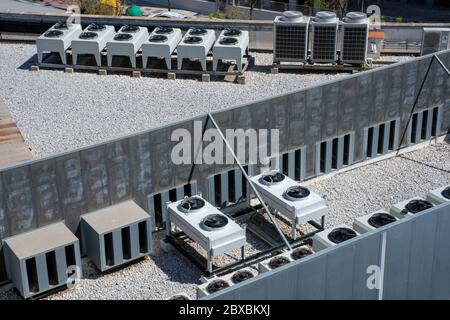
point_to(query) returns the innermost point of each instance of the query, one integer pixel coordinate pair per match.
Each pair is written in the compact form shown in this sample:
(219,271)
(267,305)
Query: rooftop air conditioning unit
(324,37)
(219,283)
(196,44)
(355,37)
(57,39)
(231,45)
(333,236)
(439,196)
(372,221)
(127,42)
(161,44)
(410,207)
(434,40)
(291,37)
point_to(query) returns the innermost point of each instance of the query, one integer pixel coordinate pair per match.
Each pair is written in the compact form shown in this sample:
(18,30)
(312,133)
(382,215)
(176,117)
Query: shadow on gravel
(27,64)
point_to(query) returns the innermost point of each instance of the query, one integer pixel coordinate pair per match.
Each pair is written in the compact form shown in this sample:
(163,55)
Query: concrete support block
(206,77)
(34,68)
(136,74)
(172,76)
(102,72)
(68,70)
(241,79)
(274,70)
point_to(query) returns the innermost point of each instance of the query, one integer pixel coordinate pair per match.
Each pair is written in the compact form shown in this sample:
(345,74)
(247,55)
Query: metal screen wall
(417,266)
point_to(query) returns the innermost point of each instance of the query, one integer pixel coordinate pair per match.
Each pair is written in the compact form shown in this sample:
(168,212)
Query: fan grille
(217,285)
(324,44)
(339,235)
(354,44)
(290,42)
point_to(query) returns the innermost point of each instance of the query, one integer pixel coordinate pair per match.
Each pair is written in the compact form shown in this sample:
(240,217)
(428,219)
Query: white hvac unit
(324,27)
(289,198)
(207,226)
(372,221)
(196,44)
(216,284)
(92,41)
(57,39)
(355,38)
(439,196)
(434,40)
(127,42)
(284,258)
(231,45)
(332,236)
(161,44)
(291,37)
(410,207)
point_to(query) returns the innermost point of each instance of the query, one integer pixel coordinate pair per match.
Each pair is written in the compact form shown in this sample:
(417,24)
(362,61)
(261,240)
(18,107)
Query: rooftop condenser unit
(435,39)
(291,37)
(324,37)
(355,36)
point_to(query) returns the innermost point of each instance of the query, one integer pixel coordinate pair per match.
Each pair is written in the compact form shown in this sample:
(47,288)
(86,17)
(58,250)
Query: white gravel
(56,111)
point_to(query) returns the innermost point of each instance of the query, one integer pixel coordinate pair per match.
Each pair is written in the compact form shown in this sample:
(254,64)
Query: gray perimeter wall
(417,266)
(65,186)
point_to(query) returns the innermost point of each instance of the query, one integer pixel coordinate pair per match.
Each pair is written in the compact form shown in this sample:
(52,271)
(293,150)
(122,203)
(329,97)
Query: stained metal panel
(340,273)
(4,220)
(119,170)
(142,167)
(393,93)
(330,110)
(380,84)
(348,88)
(297,123)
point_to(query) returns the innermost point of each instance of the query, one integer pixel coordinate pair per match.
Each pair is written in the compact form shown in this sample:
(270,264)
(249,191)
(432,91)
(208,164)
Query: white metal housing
(92,40)
(400,211)
(321,240)
(215,242)
(434,40)
(57,39)
(299,211)
(231,45)
(126,43)
(203,289)
(291,37)
(161,44)
(355,38)
(324,27)
(195,50)
(364,224)
(440,195)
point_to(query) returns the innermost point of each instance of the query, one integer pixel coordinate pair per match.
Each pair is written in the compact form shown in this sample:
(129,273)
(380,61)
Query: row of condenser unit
(162,42)
(322,38)
(330,237)
(49,258)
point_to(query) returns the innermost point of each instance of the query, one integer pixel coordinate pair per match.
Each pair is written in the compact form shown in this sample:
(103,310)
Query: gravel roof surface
(56,111)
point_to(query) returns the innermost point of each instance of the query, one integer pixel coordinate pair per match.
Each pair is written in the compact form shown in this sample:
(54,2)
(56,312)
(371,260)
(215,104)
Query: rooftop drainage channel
(42,260)
(117,235)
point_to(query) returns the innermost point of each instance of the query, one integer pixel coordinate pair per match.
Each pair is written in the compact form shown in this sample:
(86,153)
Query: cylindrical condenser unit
(355,37)
(324,37)
(291,37)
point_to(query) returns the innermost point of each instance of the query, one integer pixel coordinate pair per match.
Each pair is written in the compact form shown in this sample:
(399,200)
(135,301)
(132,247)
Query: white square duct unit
(57,39)
(372,221)
(324,37)
(410,207)
(333,236)
(196,44)
(206,225)
(434,40)
(291,37)
(216,284)
(92,41)
(355,38)
(289,198)
(439,196)
(127,42)
(161,44)
(284,258)
(232,45)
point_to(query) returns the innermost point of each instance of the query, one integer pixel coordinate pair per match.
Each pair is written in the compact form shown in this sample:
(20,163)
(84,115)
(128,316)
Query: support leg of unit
(74,58)
(203,62)
(62,54)
(169,63)
(133,61)
(179,63)
(40,56)
(242,252)
(98,59)
(144,61)
(239,64)
(209,262)
(109,59)
(215,63)
(293,230)
(322,222)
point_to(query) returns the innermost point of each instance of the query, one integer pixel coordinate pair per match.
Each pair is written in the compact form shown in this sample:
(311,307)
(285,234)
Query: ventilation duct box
(57,39)
(291,37)
(434,40)
(355,38)
(333,236)
(410,207)
(372,221)
(116,235)
(39,261)
(324,37)
(439,196)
